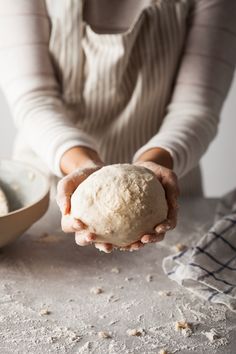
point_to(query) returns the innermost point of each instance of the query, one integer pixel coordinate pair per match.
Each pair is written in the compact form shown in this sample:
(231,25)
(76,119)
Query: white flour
(57,276)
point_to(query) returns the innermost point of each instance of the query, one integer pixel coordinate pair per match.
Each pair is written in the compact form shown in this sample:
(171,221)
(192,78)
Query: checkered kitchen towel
(209,268)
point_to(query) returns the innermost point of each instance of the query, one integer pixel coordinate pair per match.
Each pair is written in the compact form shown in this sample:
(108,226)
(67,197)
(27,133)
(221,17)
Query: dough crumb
(149,278)
(179,247)
(128,278)
(115,270)
(52,339)
(104,335)
(44,312)
(135,332)
(164,293)
(212,335)
(96,290)
(184,327)
(163,351)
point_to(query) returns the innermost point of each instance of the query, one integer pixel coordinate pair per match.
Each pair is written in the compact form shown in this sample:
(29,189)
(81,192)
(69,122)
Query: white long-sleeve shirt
(161,83)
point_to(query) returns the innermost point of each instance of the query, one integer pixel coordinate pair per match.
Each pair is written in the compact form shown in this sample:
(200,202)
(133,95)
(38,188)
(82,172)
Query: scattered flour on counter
(151,312)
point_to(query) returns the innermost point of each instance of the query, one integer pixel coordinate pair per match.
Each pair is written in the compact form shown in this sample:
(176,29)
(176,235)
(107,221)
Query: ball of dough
(120,203)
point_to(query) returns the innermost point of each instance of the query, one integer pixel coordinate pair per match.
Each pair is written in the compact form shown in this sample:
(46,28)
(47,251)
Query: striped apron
(116,87)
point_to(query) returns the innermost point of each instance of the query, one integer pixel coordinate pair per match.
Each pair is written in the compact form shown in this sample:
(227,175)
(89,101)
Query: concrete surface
(46,304)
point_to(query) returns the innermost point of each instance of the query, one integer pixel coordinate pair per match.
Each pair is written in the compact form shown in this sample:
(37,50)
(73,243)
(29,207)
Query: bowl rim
(42,195)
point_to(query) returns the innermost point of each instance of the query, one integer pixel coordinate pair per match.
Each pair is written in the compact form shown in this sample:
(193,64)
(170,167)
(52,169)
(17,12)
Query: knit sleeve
(28,81)
(202,83)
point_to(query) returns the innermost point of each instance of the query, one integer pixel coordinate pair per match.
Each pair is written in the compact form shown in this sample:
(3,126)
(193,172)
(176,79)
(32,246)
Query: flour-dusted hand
(68,184)
(65,189)
(169,182)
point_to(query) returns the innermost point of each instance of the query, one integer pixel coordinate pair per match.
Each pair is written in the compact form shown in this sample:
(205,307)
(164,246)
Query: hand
(78,163)
(160,162)
(169,182)
(65,188)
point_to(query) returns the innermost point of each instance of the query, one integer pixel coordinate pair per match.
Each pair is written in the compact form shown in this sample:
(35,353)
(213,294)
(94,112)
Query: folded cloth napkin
(209,268)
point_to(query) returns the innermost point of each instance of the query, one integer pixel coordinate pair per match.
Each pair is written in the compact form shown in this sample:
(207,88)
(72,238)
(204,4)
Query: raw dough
(4,209)
(135,332)
(120,203)
(104,335)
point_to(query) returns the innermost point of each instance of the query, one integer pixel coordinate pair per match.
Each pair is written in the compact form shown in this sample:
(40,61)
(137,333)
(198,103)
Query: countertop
(49,304)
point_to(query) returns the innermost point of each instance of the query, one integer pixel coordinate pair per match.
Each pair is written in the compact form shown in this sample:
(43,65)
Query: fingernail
(144,241)
(90,238)
(159,229)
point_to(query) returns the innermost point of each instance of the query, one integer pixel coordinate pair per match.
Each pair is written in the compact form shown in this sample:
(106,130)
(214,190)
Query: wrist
(79,157)
(158,155)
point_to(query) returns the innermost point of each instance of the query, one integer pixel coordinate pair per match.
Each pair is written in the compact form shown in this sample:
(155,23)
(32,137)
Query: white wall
(219,163)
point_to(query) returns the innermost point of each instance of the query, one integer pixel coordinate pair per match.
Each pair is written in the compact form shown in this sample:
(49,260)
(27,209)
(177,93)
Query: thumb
(65,189)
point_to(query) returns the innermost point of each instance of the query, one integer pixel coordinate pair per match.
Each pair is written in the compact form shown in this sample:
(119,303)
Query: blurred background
(218,164)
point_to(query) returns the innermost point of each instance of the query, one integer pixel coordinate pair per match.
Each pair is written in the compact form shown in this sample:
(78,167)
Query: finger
(150,238)
(163,227)
(70,224)
(65,189)
(172,217)
(105,247)
(67,185)
(84,238)
(171,221)
(170,185)
(136,246)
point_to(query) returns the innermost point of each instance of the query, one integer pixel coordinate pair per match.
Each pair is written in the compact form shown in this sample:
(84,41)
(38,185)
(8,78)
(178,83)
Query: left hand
(169,182)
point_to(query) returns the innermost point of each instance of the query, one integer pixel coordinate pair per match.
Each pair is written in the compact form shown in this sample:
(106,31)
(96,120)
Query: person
(112,81)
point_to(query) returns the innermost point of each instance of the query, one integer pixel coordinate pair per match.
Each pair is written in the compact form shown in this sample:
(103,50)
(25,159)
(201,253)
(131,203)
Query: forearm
(78,157)
(202,83)
(158,155)
(28,81)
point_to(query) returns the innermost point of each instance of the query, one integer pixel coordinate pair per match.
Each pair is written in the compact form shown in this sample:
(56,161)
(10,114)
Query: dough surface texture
(3,204)
(120,203)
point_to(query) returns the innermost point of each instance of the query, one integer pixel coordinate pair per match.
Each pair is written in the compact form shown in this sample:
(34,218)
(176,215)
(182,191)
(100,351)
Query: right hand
(78,163)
